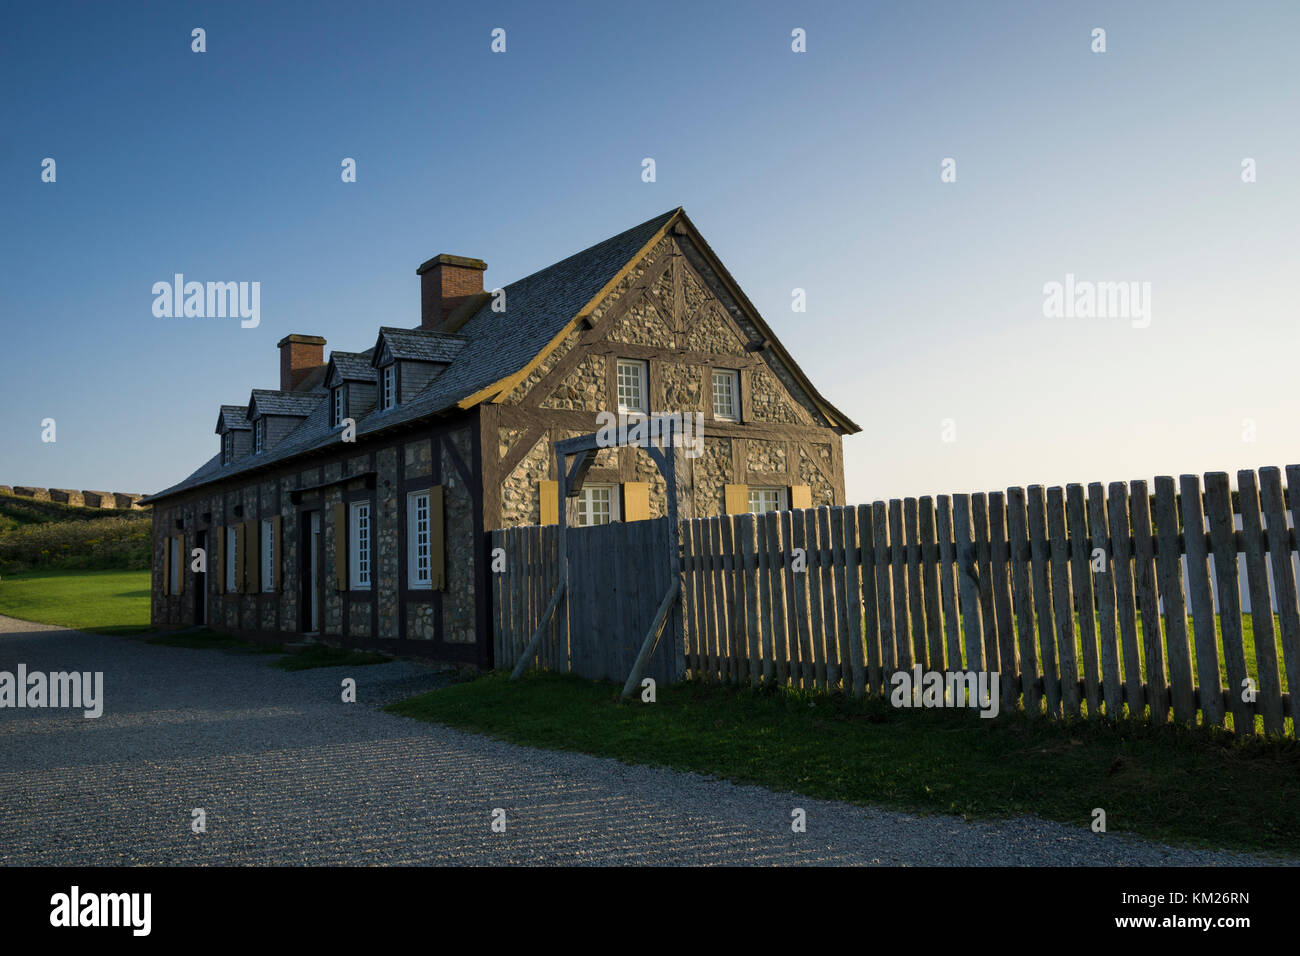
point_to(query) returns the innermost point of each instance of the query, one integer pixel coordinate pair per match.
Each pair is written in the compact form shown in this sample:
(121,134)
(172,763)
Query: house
(353,502)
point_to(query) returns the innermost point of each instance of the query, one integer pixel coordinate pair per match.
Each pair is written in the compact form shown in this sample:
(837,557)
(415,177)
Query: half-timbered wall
(673,312)
(391,615)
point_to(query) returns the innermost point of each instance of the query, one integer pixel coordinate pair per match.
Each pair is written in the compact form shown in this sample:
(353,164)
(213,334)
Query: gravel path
(289,774)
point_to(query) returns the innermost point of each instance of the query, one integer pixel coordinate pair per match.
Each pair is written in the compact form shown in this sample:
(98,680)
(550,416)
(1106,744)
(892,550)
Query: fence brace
(531,649)
(651,639)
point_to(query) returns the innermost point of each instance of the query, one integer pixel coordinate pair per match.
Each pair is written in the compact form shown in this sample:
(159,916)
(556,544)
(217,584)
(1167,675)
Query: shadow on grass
(209,640)
(1187,785)
(321,655)
(291,659)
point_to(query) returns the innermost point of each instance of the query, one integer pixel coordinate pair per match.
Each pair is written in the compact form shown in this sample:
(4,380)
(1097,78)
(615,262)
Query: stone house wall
(390,616)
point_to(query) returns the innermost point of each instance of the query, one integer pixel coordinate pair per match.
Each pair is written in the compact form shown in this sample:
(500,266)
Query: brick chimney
(445,282)
(300,355)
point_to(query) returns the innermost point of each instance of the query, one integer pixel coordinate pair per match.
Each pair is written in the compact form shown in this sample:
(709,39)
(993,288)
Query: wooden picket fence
(520,592)
(1060,590)
(618,576)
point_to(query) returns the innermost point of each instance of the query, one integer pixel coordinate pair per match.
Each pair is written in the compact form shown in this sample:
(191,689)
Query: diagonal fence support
(651,639)
(530,651)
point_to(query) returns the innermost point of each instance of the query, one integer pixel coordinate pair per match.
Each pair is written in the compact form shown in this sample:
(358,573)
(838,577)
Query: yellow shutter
(437,542)
(221,560)
(241,555)
(549,492)
(636,500)
(800,496)
(737,499)
(340,547)
(180,564)
(277,556)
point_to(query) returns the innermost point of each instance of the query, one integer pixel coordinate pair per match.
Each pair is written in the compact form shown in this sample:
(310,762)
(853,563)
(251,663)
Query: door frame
(310,569)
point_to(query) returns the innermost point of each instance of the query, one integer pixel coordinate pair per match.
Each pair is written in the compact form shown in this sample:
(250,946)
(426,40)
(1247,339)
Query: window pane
(595,505)
(232,558)
(724,394)
(361,545)
(268,556)
(631,386)
(419,539)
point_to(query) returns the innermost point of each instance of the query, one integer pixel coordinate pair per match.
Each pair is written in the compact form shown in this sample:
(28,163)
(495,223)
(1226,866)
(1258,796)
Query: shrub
(107,543)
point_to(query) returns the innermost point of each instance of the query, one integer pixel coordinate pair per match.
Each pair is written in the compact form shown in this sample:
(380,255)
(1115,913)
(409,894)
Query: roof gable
(349,367)
(268,402)
(490,352)
(232,417)
(416,345)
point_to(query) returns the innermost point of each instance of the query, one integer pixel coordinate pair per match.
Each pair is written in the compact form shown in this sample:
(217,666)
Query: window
(338,410)
(417,540)
(766,499)
(174,562)
(596,504)
(360,541)
(227,447)
(259,436)
(388,386)
(232,558)
(726,394)
(268,556)
(631,386)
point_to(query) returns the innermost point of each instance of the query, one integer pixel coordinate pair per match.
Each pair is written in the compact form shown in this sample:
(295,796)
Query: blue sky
(818,170)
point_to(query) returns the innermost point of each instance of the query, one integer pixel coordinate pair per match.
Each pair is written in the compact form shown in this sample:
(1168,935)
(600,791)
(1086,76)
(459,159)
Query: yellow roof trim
(832,414)
(507,384)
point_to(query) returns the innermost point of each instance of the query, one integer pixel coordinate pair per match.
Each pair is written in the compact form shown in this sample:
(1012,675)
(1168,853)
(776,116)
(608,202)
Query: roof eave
(833,414)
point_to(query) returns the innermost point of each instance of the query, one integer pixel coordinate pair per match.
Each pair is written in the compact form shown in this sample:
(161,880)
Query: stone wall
(355,618)
(78,499)
(719,330)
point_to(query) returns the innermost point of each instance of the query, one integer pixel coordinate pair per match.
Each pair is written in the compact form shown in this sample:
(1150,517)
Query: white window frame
(232,558)
(268,556)
(338,406)
(388,386)
(227,447)
(642,386)
(259,435)
(779,493)
(419,567)
(732,378)
(360,550)
(582,504)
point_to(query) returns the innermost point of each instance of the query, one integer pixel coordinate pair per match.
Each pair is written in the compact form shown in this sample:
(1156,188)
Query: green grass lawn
(102,602)
(1182,785)
(322,655)
(1248,647)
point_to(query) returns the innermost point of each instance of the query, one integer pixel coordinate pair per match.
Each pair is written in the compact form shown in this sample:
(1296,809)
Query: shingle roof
(495,346)
(271,402)
(421,345)
(232,416)
(537,308)
(353,366)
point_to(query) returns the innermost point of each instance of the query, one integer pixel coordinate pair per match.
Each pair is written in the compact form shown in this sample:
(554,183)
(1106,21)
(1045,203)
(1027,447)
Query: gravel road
(288,774)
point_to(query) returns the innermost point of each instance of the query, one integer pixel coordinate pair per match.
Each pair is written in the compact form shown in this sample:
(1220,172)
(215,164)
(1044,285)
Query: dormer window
(227,448)
(259,436)
(338,405)
(387,386)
